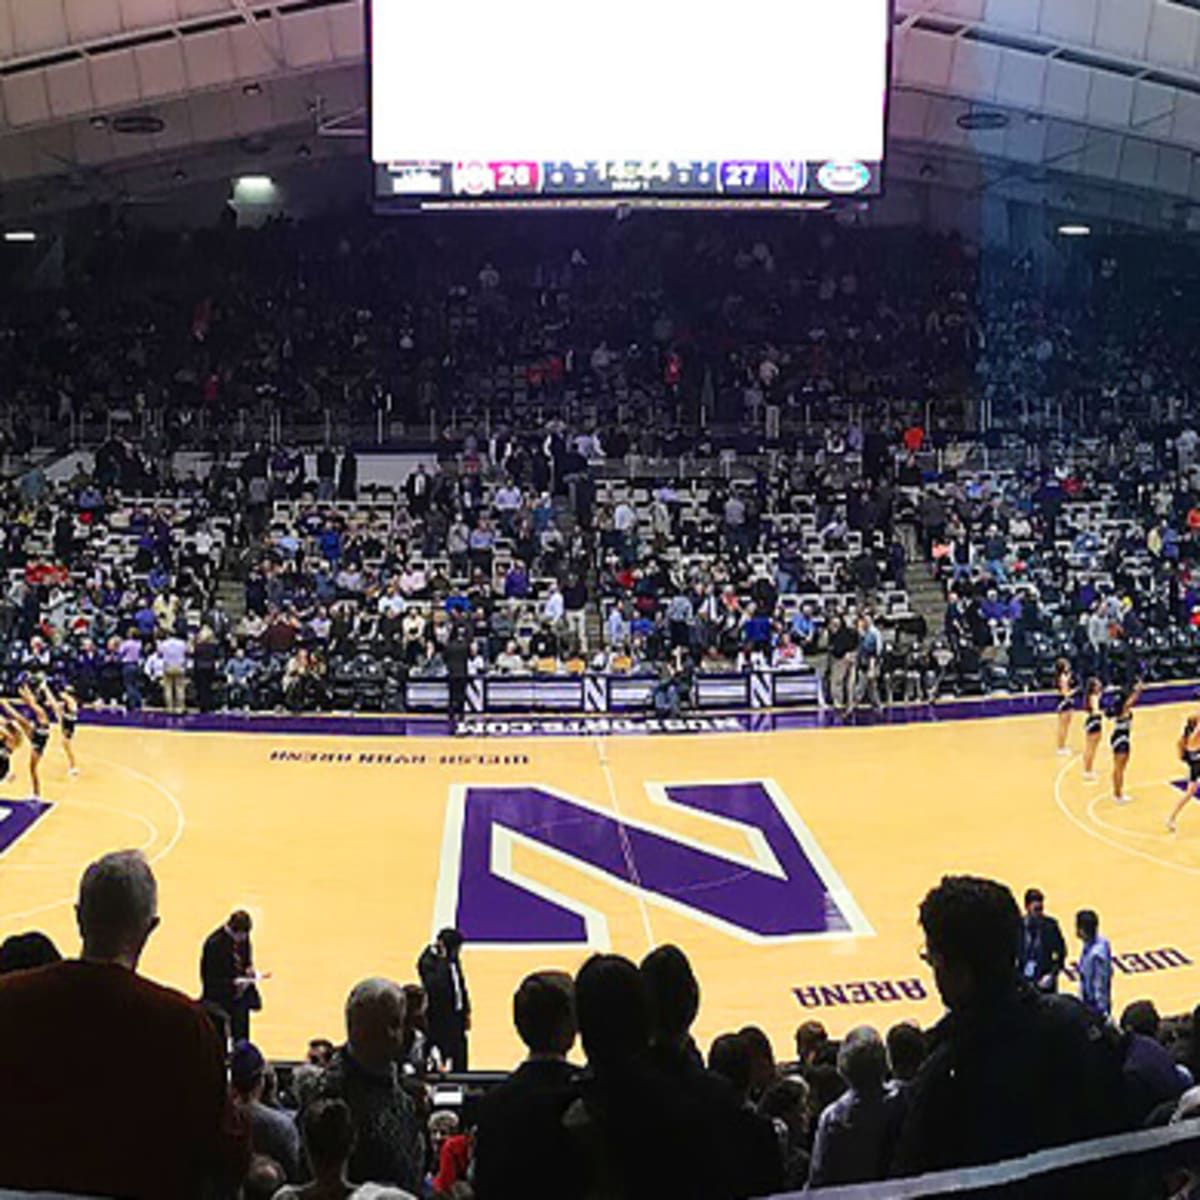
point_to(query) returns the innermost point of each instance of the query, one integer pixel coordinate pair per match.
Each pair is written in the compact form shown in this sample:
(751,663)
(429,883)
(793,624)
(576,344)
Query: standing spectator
(24,951)
(1010,1070)
(1095,963)
(857,1133)
(633,1132)
(1043,951)
(674,995)
(440,968)
(388,1142)
(326,471)
(456,654)
(418,490)
(272,1131)
(843,653)
(129,655)
(205,657)
(173,651)
(554,607)
(227,974)
(519,1123)
(69,1121)
(575,598)
(348,476)
(870,659)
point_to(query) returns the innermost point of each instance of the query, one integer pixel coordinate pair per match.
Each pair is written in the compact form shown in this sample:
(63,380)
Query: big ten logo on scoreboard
(782,888)
(17,818)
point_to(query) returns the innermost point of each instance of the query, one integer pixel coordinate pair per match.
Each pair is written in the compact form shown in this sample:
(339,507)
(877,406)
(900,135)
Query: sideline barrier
(1127,1166)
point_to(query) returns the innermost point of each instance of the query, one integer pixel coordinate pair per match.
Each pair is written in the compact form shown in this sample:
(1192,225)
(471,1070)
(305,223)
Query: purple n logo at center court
(782,888)
(17,818)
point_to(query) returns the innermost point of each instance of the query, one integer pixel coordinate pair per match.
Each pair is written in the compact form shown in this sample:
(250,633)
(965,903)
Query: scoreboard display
(534,99)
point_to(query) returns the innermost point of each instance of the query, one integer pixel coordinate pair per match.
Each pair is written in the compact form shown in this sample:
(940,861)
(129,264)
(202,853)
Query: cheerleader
(10,740)
(66,711)
(1189,753)
(1064,685)
(1093,723)
(1121,739)
(37,731)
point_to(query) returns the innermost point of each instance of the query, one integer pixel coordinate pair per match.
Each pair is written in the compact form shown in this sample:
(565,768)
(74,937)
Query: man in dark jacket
(1043,951)
(1011,1070)
(520,1147)
(445,984)
(456,655)
(227,974)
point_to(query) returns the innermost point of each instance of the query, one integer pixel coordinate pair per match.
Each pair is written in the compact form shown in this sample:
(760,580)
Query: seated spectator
(509,661)
(329,1143)
(1151,1077)
(905,1051)
(24,951)
(239,677)
(365,1073)
(450,1151)
(786,1103)
(264,1179)
(272,1132)
(811,1039)
(1010,1070)
(756,1147)
(763,1071)
(856,1134)
(58,1028)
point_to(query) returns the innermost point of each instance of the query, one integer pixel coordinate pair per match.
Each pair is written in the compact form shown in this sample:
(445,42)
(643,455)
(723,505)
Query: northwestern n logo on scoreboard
(782,889)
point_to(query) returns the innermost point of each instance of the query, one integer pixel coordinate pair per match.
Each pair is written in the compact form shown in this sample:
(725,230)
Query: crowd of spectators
(657,448)
(1013,1067)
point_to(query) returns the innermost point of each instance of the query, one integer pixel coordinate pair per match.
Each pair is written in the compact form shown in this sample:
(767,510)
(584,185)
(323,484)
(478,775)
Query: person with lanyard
(1043,950)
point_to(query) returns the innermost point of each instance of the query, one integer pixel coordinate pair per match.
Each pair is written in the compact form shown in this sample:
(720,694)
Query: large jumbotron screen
(536,99)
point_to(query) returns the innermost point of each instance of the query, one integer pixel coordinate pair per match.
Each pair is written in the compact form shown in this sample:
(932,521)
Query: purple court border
(590,725)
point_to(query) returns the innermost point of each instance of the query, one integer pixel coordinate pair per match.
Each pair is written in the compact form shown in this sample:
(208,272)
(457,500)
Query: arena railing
(1128,1166)
(1151,1164)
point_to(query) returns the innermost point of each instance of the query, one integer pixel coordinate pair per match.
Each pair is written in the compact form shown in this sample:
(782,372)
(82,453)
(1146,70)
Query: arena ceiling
(1082,106)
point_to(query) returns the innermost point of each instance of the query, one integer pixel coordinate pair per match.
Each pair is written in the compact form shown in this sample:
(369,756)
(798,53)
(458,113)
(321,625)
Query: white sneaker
(1089,777)
(1120,799)
(73,771)
(1063,751)
(1172,827)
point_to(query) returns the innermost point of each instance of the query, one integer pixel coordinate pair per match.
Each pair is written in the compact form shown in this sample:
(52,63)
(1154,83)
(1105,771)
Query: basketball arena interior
(599,602)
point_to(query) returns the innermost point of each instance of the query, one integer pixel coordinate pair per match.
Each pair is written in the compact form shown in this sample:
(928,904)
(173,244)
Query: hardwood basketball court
(788,865)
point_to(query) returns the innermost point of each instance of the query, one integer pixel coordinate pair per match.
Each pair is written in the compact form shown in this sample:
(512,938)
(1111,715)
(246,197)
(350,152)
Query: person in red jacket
(113,1085)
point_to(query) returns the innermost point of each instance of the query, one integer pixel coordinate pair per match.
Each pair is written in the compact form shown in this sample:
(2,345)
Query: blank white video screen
(543,80)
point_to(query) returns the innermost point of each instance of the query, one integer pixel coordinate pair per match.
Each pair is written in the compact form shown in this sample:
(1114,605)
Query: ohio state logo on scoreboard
(782,888)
